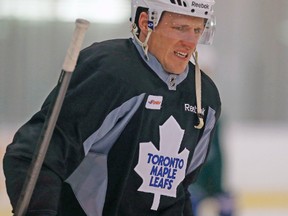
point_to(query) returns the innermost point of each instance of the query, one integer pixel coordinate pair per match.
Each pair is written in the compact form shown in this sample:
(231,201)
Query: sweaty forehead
(169,17)
(172,17)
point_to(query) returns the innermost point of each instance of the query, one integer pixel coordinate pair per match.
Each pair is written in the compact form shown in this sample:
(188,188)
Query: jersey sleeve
(93,92)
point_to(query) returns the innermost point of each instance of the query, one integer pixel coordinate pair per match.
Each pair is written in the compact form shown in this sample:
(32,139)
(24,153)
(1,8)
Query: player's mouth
(181,54)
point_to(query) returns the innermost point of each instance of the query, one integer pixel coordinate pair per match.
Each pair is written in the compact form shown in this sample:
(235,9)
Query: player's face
(174,40)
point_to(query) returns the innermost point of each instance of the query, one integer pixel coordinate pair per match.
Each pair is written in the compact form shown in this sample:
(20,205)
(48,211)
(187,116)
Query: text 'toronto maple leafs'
(164,169)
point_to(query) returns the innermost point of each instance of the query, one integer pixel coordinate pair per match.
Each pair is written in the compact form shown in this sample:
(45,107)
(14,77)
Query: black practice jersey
(125,142)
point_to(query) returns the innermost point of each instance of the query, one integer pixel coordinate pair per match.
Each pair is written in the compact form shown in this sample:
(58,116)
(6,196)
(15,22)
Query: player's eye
(178,28)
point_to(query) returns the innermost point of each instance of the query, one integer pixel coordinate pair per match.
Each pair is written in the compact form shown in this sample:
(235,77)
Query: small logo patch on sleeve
(154,102)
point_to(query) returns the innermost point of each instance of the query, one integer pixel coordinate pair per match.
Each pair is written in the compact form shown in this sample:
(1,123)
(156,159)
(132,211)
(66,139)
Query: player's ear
(143,23)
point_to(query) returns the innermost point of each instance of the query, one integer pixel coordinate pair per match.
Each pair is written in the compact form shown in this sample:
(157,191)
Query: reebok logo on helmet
(200,5)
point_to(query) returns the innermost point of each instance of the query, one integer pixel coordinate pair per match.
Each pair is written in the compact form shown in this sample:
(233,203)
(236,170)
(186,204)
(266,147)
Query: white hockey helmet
(196,8)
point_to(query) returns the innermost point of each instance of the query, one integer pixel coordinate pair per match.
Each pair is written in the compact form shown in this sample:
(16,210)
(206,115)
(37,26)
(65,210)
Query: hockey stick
(52,116)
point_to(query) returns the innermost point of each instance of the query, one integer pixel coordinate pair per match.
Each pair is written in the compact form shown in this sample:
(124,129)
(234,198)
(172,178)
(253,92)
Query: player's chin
(176,69)
(179,68)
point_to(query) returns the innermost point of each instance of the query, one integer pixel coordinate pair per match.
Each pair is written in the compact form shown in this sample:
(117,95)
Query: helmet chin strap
(144,44)
(198,92)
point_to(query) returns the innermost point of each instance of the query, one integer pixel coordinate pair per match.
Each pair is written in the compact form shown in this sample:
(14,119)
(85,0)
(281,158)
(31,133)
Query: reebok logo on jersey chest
(193,109)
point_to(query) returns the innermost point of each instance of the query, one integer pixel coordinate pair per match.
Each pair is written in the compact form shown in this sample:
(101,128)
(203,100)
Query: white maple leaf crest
(163,170)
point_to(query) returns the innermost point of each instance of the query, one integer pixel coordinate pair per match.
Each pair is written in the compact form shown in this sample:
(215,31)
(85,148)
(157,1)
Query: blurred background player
(208,193)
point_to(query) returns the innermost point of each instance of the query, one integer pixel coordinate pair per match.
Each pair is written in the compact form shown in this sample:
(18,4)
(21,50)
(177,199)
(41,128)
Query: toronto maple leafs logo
(163,170)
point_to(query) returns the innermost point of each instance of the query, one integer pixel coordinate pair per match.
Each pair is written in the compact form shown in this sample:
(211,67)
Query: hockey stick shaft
(52,116)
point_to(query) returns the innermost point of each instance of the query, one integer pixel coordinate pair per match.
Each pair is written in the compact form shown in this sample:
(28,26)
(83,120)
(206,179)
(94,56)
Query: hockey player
(136,123)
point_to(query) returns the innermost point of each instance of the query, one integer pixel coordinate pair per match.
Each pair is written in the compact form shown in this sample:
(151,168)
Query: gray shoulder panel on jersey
(89,180)
(102,140)
(203,144)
